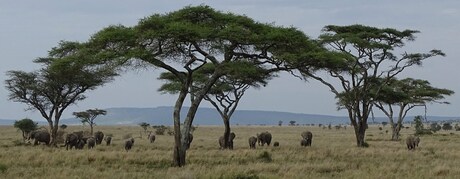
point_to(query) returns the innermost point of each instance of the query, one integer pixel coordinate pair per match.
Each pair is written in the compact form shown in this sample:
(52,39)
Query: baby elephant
(128,144)
(108,140)
(252,142)
(151,137)
(307,137)
(412,142)
(91,142)
(230,141)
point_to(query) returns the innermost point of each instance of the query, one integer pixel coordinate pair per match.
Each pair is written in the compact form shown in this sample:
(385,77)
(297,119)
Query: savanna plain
(333,154)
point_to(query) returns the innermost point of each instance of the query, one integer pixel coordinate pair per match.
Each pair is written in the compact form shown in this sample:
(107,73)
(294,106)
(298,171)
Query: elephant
(151,137)
(40,136)
(303,142)
(71,140)
(99,137)
(412,142)
(252,142)
(91,142)
(129,144)
(80,144)
(230,142)
(308,137)
(264,138)
(108,140)
(276,144)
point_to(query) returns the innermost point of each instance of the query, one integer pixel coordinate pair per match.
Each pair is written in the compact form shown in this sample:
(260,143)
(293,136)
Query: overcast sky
(28,29)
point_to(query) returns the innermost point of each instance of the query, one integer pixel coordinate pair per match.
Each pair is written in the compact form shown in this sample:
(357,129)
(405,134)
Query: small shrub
(3,168)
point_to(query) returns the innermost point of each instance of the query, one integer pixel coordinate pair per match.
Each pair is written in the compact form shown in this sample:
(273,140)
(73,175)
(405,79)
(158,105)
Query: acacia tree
(183,41)
(406,94)
(228,90)
(63,80)
(89,116)
(363,54)
(26,126)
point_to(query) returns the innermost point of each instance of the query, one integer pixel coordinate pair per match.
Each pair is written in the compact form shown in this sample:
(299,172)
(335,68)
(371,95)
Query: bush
(3,168)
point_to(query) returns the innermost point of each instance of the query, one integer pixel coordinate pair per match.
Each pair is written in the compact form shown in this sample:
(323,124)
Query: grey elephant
(264,138)
(71,140)
(303,142)
(80,144)
(307,137)
(108,140)
(99,136)
(412,142)
(230,141)
(252,142)
(151,137)
(40,136)
(91,142)
(129,144)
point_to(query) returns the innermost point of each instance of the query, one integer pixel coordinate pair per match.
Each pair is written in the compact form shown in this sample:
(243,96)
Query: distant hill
(209,116)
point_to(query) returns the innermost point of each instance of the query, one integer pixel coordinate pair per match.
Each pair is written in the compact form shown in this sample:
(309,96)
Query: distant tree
(63,126)
(435,127)
(26,126)
(66,74)
(144,126)
(89,116)
(361,54)
(418,124)
(447,126)
(406,94)
(280,123)
(292,123)
(384,124)
(457,127)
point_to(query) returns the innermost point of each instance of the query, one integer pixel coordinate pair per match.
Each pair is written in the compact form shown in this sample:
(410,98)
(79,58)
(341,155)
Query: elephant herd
(265,138)
(79,139)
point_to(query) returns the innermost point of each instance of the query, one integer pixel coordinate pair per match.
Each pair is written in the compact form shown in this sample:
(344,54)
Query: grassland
(333,155)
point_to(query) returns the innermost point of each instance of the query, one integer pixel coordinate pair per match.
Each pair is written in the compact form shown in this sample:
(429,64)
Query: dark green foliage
(144,126)
(26,126)
(89,116)
(63,126)
(447,126)
(160,130)
(418,124)
(3,168)
(435,127)
(457,127)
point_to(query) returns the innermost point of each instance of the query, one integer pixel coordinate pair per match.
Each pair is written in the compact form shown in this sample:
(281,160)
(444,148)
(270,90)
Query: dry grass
(333,155)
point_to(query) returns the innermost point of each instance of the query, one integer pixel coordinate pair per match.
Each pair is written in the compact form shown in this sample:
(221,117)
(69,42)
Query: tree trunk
(395,132)
(227,134)
(179,150)
(360,132)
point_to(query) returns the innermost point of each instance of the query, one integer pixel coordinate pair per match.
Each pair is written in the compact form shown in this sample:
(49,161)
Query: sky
(30,28)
